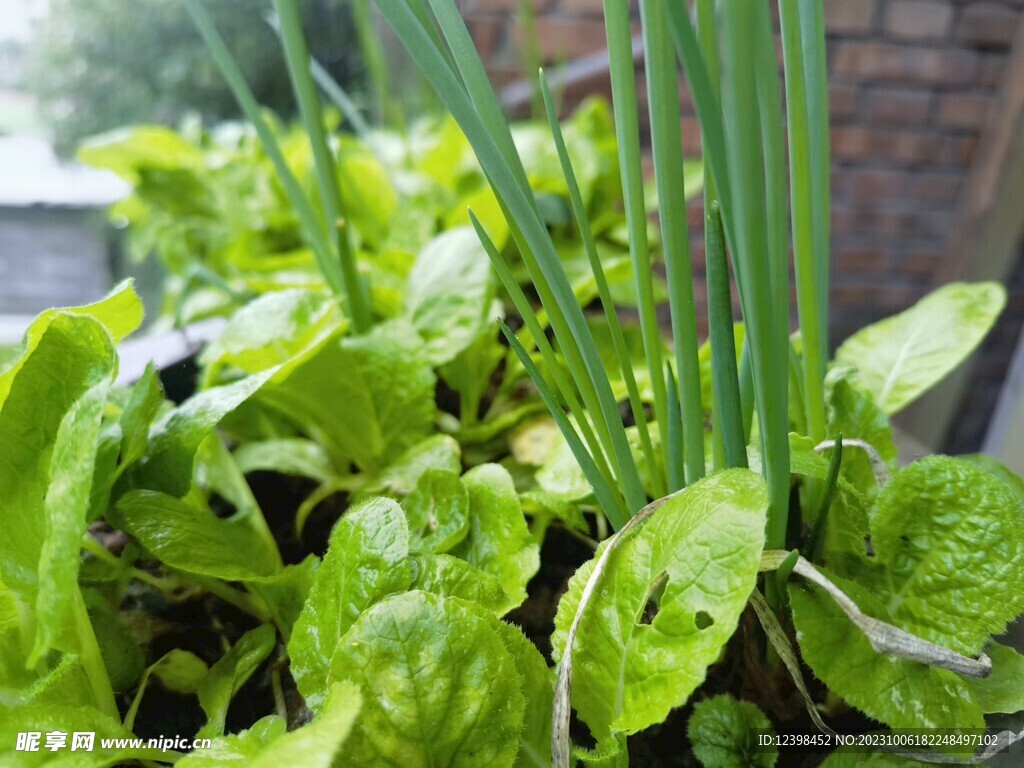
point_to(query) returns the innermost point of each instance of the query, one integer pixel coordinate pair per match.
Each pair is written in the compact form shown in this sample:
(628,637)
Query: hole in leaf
(703,620)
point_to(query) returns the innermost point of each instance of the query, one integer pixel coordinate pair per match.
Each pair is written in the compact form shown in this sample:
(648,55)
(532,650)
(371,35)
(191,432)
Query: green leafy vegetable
(387,390)
(721,733)
(449,294)
(899,693)
(697,558)
(267,745)
(230,673)
(951,538)
(366,561)
(271,330)
(900,358)
(498,541)
(448,576)
(194,540)
(1003,690)
(437,511)
(468,712)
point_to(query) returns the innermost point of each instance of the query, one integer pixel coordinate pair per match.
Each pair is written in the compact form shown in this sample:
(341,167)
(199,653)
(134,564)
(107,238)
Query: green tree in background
(100,64)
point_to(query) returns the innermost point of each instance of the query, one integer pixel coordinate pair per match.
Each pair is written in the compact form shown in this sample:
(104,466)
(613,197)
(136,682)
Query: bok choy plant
(875,596)
(161,563)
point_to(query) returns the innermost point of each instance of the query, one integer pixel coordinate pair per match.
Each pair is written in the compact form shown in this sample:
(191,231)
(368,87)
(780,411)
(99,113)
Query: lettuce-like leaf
(285,592)
(721,734)
(1003,690)
(951,537)
(448,576)
(535,679)
(498,541)
(446,688)
(435,452)
(194,540)
(901,357)
(449,293)
(367,559)
(289,456)
(948,539)
(902,694)
(167,464)
(382,405)
(272,330)
(437,511)
(853,413)
(230,673)
(268,745)
(698,559)
(52,396)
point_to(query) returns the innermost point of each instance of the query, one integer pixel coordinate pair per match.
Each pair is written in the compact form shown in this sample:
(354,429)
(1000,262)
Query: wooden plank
(1005,438)
(986,243)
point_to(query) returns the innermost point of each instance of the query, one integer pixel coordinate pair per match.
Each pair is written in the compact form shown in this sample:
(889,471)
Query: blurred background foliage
(94,65)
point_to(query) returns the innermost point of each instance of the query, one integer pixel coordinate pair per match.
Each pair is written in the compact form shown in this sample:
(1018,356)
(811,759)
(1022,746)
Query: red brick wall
(913,83)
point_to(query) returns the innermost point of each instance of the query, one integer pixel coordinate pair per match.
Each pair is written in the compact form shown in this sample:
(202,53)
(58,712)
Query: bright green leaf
(147,395)
(230,673)
(721,732)
(448,576)
(498,541)
(66,508)
(449,292)
(899,693)
(535,678)
(272,330)
(129,151)
(169,458)
(286,592)
(951,537)
(267,745)
(436,452)
(703,548)
(387,392)
(446,688)
(437,511)
(367,559)
(289,456)
(180,671)
(194,540)
(1003,690)
(901,357)
(852,413)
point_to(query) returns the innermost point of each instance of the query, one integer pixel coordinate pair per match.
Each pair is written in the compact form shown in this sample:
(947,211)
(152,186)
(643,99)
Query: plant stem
(751,253)
(674,461)
(312,229)
(93,547)
(601,489)
(627,131)
(92,659)
(804,212)
(467,94)
(726,403)
(376,64)
(663,98)
(241,600)
(297,57)
(603,291)
(562,385)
